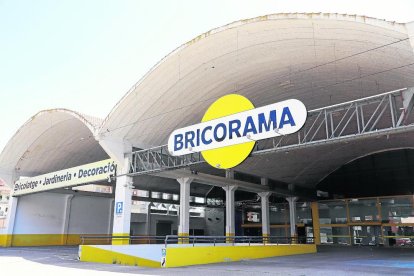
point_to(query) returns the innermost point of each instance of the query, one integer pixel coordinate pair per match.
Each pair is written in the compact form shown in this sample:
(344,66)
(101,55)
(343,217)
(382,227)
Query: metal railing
(108,239)
(385,113)
(197,240)
(234,240)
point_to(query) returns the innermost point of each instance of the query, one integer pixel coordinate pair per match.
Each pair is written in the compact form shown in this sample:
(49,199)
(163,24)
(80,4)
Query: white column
(148,222)
(66,219)
(292,215)
(230,210)
(122,205)
(10,218)
(10,178)
(184,223)
(111,214)
(265,213)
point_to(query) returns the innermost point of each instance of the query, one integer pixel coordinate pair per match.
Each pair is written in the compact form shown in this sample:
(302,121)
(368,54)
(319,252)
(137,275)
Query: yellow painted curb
(185,256)
(99,255)
(188,255)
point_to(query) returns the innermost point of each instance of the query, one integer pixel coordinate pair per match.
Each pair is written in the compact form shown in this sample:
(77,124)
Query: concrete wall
(214,220)
(212,223)
(90,215)
(42,213)
(58,219)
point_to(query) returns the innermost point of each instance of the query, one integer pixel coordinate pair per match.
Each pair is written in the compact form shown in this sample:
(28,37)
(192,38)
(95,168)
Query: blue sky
(85,55)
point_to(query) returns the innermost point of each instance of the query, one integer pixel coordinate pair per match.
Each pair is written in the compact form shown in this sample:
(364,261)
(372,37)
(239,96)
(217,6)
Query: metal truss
(385,113)
(159,159)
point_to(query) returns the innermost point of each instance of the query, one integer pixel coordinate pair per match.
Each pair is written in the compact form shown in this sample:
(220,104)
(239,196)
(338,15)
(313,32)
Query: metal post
(390,98)
(357,118)
(326,125)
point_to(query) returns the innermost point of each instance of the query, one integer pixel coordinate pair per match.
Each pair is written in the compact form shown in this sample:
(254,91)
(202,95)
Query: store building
(346,177)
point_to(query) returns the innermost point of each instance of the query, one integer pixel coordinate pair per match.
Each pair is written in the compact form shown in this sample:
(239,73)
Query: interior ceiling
(308,166)
(371,175)
(60,147)
(318,59)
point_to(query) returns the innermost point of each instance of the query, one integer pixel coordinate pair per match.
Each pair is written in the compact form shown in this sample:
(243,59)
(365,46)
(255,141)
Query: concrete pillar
(265,214)
(111,214)
(6,237)
(292,216)
(120,151)
(123,202)
(6,240)
(148,222)
(184,222)
(66,219)
(230,210)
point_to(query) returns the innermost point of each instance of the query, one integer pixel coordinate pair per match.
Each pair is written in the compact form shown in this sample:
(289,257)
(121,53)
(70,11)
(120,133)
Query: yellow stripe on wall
(37,239)
(5,240)
(49,239)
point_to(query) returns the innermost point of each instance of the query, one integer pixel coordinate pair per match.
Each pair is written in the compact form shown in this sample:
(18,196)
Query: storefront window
(335,235)
(398,235)
(397,210)
(279,214)
(363,210)
(332,212)
(304,213)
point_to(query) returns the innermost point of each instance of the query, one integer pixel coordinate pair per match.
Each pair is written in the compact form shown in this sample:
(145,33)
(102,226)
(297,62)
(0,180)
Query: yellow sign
(230,156)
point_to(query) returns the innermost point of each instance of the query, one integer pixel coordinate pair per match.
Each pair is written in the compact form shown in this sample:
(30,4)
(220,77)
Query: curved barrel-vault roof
(52,140)
(320,59)
(266,59)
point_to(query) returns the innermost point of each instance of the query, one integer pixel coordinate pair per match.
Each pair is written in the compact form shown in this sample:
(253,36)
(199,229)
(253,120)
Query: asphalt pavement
(330,260)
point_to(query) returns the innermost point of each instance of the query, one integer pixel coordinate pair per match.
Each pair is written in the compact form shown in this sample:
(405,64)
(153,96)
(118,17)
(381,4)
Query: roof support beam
(219,181)
(345,121)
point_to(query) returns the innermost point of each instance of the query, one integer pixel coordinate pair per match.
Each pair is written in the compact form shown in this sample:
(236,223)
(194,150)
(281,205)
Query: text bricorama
(260,123)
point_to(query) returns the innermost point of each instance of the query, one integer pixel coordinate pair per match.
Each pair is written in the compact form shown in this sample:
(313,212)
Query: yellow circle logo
(229,156)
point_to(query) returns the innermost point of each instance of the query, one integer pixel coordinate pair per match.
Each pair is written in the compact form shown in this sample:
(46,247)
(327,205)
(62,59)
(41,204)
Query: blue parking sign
(119,207)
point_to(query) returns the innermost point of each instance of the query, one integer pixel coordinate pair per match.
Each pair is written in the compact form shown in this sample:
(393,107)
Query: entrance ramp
(133,255)
(177,255)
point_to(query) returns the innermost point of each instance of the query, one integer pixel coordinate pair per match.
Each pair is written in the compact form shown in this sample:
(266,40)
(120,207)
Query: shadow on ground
(329,260)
